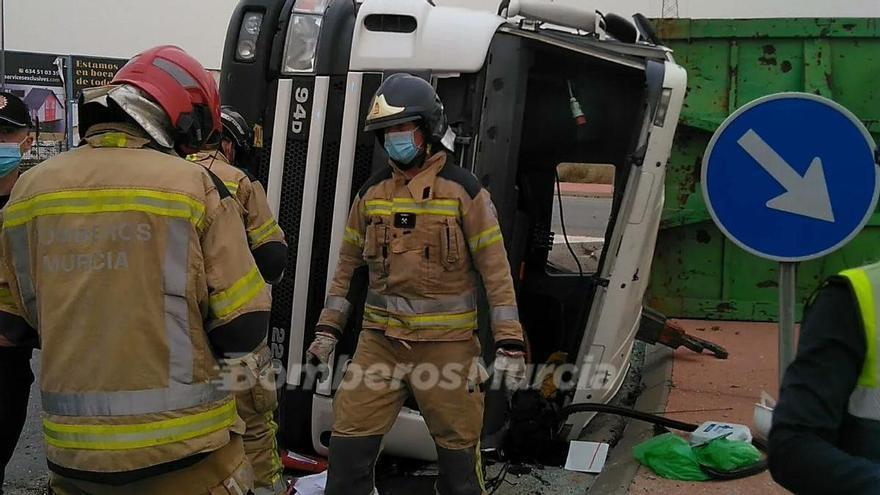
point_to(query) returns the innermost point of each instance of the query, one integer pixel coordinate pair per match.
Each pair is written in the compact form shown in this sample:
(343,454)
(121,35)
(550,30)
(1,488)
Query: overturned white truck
(528,87)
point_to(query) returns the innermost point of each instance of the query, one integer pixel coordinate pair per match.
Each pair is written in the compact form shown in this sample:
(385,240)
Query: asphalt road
(584,217)
(585,222)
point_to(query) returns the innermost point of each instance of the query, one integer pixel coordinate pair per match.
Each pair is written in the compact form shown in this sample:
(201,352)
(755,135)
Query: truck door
(556,110)
(617,304)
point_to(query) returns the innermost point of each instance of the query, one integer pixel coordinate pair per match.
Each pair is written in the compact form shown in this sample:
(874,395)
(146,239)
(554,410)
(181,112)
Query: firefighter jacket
(132,267)
(425,242)
(264,234)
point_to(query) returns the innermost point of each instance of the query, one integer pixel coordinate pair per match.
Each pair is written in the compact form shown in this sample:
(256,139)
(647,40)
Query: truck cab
(548,105)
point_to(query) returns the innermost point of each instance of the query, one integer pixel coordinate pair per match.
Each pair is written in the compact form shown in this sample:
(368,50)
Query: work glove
(511,362)
(323,345)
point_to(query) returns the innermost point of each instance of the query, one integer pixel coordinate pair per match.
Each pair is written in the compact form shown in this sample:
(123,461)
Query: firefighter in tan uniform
(256,396)
(426,230)
(132,267)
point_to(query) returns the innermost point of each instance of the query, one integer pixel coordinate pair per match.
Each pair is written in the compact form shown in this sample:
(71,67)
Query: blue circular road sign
(791,177)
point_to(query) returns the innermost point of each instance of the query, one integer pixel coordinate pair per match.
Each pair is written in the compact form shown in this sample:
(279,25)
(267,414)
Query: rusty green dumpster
(697,273)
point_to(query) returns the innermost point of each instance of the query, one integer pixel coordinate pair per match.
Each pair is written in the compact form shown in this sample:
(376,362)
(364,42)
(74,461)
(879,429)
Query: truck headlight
(246,48)
(302,43)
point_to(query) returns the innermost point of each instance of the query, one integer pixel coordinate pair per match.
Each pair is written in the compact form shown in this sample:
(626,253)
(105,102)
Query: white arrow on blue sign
(791,177)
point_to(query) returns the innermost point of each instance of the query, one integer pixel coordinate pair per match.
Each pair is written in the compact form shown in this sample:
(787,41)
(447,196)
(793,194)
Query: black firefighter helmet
(236,128)
(403,98)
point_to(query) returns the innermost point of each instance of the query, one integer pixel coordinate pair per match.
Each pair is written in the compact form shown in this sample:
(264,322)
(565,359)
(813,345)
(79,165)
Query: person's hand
(512,363)
(323,345)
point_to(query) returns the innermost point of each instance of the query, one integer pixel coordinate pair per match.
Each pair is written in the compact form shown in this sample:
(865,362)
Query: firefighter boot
(461,472)
(352,465)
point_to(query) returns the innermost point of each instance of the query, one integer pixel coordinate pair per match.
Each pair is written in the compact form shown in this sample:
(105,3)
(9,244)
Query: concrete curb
(621,467)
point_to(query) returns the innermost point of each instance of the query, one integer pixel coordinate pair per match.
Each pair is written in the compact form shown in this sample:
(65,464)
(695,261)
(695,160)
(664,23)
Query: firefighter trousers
(225,471)
(445,378)
(256,402)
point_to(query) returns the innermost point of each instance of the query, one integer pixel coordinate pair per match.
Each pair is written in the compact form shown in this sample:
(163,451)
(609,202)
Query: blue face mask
(401,147)
(10,158)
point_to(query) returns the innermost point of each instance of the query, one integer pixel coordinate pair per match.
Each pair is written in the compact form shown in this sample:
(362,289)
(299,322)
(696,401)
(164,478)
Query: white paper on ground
(315,484)
(311,485)
(711,430)
(586,457)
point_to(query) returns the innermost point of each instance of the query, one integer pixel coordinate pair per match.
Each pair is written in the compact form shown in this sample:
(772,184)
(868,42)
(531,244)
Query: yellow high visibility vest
(864,402)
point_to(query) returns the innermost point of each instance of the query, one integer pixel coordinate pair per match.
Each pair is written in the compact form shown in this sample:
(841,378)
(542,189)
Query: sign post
(790,177)
(787,303)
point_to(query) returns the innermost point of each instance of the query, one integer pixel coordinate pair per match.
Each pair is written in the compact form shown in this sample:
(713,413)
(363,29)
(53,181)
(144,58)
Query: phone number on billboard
(38,72)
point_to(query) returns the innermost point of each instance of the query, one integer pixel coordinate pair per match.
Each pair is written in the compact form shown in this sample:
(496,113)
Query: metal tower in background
(670,9)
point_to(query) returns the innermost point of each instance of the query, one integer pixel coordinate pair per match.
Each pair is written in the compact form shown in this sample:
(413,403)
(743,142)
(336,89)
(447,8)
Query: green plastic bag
(726,455)
(670,457)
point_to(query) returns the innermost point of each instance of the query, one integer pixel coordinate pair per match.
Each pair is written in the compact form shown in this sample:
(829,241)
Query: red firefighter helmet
(184,90)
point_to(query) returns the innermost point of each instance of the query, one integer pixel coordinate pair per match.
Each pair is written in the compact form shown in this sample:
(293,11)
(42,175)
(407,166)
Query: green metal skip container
(697,272)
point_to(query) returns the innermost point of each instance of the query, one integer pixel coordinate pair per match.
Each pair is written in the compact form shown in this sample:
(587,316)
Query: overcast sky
(120,28)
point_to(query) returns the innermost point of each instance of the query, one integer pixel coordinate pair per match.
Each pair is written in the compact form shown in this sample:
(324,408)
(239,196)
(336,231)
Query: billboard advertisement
(46,82)
(36,79)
